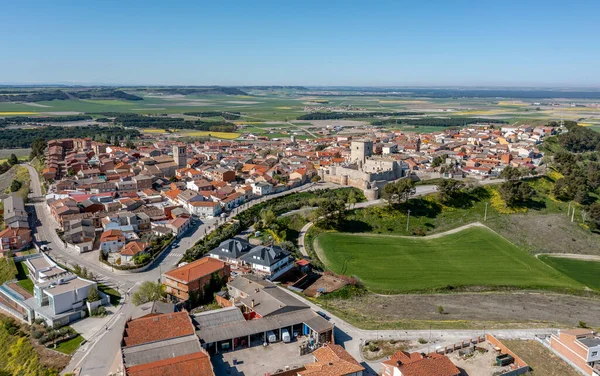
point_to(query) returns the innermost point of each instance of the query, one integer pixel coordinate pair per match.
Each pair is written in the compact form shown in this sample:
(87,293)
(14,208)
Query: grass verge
(114,295)
(583,271)
(70,346)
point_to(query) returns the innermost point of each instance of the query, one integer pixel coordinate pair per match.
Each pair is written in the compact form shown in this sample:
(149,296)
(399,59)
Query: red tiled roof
(196,269)
(195,364)
(158,328)
(332,360)
(133,248)
(112,235)
(415,364)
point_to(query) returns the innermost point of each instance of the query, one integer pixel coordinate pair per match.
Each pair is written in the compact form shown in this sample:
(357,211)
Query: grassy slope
(585,272)
(472,257)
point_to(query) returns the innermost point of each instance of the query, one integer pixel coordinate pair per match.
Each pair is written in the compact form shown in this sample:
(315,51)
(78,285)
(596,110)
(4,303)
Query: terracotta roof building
(193,277)
(332,360)
(416,364)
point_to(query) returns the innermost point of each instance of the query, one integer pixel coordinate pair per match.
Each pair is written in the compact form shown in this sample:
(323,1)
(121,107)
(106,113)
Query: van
(285,336)
(271,337)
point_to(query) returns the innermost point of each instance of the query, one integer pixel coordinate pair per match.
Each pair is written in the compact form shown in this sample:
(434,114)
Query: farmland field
(583,271)
(474,256)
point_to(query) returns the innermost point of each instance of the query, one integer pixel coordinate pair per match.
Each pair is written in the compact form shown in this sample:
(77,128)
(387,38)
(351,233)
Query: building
(192,279)
(256,309)
(230,251)
(59,296)
(581,347)
(332,360)
(271,261)
(403,363)
(179,155)
(262,188)
(205,209)
(360,151)
(14,239)
(131,250)
(112,241)
(163,345)
(15,215)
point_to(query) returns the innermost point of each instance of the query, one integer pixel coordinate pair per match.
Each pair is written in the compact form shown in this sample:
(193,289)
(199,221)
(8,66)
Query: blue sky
(383,43)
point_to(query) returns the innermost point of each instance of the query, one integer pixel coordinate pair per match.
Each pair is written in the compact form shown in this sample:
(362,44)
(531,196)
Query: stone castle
(363,170)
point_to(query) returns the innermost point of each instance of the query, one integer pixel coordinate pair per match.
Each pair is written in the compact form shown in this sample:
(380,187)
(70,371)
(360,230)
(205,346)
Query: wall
(561,348)
(505,350)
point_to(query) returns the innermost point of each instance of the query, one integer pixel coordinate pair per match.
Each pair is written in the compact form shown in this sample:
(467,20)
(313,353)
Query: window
(594,353)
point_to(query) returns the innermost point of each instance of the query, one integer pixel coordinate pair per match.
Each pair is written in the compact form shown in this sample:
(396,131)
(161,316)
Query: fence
(522,367)
(460,345)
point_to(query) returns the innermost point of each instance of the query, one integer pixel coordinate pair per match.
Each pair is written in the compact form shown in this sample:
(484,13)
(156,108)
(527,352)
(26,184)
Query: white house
(262,188)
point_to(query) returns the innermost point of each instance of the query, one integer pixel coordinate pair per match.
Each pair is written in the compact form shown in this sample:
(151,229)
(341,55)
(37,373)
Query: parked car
(285,336)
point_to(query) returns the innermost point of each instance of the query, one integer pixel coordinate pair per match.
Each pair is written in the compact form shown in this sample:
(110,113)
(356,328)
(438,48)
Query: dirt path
(433,236)
(570,256)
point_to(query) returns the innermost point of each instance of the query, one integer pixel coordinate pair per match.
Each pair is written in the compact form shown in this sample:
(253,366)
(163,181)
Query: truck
(271,337)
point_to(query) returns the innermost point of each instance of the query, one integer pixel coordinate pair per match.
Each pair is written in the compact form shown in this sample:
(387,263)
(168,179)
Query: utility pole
(573,215)
(569,209)
(407,220)
(485,214)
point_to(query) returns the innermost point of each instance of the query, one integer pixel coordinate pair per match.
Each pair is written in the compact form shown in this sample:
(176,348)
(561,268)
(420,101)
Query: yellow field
(225,135)
(581,109)
(512,103)
(283,108)
(585,124)
(8,113)
(154,130)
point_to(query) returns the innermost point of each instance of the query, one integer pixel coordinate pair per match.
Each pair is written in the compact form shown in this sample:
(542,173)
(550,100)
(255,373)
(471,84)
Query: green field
(472,257)
(583,271)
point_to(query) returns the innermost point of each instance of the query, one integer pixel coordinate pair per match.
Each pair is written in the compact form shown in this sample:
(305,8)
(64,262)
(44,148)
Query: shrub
(422,341)
(36,334)
(582,324)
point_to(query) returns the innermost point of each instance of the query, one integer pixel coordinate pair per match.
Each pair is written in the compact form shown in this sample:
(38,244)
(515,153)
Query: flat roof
(69,285)
(591,341)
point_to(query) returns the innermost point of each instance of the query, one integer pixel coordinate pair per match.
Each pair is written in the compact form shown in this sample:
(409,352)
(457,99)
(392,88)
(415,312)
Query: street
(98,355)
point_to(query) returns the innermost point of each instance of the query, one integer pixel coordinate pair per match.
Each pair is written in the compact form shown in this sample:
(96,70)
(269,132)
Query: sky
(312,43)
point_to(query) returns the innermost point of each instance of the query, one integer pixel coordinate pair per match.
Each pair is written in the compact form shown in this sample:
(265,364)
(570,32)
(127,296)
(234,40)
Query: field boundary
(573,256)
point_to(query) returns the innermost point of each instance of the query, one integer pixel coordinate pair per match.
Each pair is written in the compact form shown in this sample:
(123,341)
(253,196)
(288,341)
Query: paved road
(421,190)
(105,343)
(97,356)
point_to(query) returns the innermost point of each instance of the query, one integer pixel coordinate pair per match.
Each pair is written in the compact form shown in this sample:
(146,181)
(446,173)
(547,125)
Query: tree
(37,148)
(331,213)
(148,292)
(398,191)
(594,215)
(13,160)
(447,188)
(512,173)
(351,199)
(15,185)
(513,192)
(315,179)
(440,310)
(93,295)
(267,218)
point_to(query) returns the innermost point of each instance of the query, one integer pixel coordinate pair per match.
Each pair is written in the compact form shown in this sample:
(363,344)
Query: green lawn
(585,272)
(69,347)
(22,276)
(472,257)
(113,294)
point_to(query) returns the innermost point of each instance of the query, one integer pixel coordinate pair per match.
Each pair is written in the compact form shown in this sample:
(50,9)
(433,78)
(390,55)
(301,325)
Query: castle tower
(179,155)
(360,150)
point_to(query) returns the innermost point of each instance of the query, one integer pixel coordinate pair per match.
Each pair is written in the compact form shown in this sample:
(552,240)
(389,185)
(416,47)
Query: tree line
(165,122)
(24,138)
(224,115)
(352,115)
(50,95)
(438,122)
(578,139)
(105,94)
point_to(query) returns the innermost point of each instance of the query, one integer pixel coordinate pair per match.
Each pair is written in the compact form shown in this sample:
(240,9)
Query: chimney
(399,363)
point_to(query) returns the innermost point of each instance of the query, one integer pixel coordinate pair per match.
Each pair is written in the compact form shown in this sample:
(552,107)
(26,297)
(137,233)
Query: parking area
(257,360)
